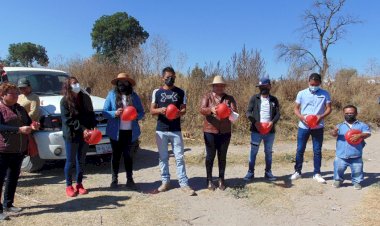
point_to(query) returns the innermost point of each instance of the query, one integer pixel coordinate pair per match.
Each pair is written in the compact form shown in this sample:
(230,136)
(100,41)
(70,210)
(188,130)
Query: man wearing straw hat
(216,131)
(169,130)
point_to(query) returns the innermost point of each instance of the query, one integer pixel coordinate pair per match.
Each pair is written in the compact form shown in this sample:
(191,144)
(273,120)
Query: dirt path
(304,202)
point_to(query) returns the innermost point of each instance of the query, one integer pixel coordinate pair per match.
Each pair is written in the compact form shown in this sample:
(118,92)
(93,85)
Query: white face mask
(314,88)
(75,87)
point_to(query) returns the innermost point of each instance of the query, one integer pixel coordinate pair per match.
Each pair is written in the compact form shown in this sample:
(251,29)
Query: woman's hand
(25,130)
(86,134)
(213,110)
(35,125)
(118,112)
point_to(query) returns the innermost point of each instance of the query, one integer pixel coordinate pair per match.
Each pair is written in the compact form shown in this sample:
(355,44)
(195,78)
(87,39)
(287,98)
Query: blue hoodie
(113,123)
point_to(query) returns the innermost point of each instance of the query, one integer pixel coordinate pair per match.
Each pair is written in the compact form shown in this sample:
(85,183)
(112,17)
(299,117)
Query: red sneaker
(81,190)
(70,191)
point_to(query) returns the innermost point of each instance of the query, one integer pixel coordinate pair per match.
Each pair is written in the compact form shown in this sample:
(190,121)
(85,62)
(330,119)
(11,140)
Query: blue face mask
(314,88)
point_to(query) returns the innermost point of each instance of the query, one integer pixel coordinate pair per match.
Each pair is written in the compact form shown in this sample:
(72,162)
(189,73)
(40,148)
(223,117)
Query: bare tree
(324,23)
(373,67)
(247,64)
(159,52)
(181,60)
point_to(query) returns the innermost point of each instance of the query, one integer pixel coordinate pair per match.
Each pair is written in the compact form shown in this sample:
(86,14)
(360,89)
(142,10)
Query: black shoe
(114,184)
(222,185)
(210,185)
(131,184)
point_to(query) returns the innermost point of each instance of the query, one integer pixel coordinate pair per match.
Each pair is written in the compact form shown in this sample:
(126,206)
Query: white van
(47,84)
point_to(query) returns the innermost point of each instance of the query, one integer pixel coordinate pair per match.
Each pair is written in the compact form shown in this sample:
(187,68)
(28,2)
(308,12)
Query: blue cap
(263,82)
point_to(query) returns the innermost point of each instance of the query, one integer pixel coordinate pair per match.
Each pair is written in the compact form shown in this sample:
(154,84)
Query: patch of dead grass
(368,210)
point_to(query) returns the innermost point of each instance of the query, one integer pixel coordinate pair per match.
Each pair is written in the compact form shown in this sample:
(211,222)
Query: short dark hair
(315,77)
(168,69)
(351,106)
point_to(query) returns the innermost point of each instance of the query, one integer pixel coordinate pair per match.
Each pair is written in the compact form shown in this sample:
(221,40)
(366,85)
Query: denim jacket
(345,150)
(113,123)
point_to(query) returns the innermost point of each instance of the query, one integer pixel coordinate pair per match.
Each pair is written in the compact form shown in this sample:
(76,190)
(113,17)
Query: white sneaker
(319,178)
(295,176)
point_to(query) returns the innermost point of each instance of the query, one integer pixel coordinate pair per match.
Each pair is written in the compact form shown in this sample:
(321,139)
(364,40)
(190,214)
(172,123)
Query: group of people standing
(78,119)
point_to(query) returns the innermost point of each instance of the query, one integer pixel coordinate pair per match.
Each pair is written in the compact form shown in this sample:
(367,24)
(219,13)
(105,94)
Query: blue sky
(206,31)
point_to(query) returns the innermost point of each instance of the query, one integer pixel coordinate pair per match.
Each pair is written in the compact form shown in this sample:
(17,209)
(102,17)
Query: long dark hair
(119,95)
(68,94)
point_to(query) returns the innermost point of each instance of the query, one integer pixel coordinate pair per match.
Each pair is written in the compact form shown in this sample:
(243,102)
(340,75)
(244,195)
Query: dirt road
(304,202)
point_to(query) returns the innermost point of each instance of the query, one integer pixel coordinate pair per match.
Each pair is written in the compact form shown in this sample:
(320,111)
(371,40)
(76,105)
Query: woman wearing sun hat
(122,133)
(217,132)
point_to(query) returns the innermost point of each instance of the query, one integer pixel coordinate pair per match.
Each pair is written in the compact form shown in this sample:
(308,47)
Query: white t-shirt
(125,125)
(265,109)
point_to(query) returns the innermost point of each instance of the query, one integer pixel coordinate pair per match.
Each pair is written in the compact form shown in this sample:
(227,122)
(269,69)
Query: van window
(42,83)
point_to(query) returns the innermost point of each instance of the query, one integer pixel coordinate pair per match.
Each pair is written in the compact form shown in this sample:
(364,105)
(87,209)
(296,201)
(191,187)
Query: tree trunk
(325,67)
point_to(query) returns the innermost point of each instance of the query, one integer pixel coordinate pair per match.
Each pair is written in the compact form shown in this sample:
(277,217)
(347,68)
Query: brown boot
(210,185)
(222,185)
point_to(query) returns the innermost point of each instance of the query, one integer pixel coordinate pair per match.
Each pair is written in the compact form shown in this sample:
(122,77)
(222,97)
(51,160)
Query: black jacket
(253,111)
(74,125)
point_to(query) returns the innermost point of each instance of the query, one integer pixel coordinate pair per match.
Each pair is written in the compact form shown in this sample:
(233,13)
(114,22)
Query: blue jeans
(256,139)
(216,143)
(75,155)
(302,138)
(356,165)
(163,138)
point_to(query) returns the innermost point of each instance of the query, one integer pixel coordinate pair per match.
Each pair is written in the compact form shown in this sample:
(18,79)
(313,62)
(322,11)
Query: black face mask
(264,91)
(123,88)
(170,81)
(350,118)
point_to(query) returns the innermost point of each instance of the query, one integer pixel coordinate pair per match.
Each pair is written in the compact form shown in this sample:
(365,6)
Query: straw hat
(218,80)
(123,77)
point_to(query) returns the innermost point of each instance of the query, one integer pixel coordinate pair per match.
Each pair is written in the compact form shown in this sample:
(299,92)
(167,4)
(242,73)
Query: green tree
(26,53)
(117,34)
(197,73)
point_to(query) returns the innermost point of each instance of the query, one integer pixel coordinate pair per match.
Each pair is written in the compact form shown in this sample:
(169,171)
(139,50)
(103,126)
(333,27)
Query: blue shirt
(162,98)
(312,104)
(345,150)
(113,123)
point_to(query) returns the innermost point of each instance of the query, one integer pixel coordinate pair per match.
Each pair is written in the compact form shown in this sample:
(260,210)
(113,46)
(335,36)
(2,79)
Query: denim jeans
(163,138)
(122,147)
(216,143)
(10,165)
(256,139)
(75,155)
(302,138)
(356,165)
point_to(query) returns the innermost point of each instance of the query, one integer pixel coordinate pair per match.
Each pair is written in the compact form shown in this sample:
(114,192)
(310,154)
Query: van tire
(32,164)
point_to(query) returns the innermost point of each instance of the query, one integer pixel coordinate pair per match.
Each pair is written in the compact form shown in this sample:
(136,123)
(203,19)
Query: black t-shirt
(163,98)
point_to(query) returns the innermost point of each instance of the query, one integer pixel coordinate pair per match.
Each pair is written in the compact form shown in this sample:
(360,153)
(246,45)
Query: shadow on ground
(80,204)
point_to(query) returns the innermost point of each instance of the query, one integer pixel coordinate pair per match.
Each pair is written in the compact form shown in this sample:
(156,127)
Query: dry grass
(368,211)
(98,75)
